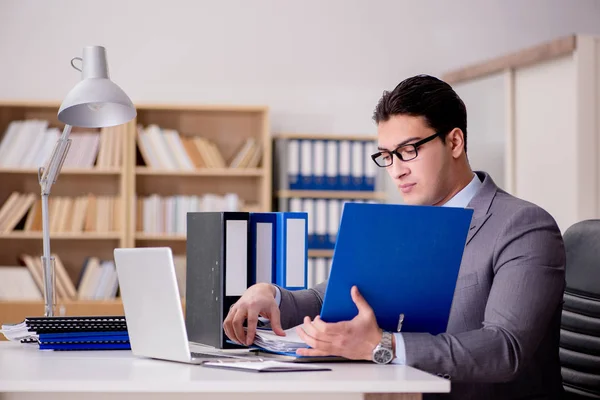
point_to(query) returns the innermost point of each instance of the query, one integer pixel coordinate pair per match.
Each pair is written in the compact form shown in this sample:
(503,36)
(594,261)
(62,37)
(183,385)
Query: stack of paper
(18,332)
(270,341)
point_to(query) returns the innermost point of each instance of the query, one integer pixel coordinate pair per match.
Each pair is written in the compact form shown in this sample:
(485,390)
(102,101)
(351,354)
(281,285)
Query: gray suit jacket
(503,332)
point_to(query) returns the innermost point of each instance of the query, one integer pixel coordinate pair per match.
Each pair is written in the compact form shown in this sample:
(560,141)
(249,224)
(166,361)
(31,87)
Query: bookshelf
(223,132)
(324,194)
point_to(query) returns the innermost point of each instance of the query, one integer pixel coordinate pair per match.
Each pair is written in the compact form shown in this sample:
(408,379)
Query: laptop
(155,321)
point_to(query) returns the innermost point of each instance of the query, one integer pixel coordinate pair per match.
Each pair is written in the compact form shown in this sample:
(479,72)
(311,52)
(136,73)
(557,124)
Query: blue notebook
(404,259)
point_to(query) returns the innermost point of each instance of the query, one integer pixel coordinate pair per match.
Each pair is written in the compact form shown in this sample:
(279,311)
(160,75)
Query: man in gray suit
(503,333)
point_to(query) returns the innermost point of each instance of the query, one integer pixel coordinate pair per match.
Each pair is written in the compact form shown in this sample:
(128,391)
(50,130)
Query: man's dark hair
(428,97)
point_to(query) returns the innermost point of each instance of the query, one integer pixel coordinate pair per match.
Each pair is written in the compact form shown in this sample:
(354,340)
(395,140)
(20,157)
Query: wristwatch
(384,353)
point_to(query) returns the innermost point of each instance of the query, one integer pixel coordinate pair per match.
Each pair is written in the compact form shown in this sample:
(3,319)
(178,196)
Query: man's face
(423,180)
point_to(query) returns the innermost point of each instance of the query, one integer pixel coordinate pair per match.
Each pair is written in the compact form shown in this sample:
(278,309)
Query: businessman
(503,333)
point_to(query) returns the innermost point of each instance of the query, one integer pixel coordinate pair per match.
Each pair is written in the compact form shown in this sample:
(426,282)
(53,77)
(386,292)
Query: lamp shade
(96,101)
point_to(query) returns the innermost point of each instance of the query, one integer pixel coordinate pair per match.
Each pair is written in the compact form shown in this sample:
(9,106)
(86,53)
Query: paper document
(269,340)
(264,366)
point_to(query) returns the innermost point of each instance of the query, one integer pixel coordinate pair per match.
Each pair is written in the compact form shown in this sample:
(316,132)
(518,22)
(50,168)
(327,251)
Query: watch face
(382,356)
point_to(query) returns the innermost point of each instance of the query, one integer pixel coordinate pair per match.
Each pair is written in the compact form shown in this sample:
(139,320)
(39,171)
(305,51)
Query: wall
(320,65)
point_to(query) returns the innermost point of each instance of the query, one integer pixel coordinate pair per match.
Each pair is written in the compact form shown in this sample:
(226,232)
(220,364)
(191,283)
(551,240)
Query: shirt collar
(462,198)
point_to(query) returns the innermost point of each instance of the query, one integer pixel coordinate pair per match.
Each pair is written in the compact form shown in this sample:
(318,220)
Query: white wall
(486,103)
(320,65)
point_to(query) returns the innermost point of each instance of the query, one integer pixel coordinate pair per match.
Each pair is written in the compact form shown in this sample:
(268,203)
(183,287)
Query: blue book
(83,336)
(85,346)
(404,260)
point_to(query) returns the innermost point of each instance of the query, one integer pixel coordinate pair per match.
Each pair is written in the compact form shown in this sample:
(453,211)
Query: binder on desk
(71,333)
(279,250)
(404,260)
(218,272)
(263,246)
(292,251)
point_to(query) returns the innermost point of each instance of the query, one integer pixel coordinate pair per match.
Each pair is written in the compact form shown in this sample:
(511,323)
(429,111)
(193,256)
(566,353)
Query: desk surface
(28,369)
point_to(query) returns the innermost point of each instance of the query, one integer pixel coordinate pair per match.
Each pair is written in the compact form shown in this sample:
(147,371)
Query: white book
(333,216)
(331,169)
(177,151)
(9,139)
(358,160)
(319,163)
(345,154)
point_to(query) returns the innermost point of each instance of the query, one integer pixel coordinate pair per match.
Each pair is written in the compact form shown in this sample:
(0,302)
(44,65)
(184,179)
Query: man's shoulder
(513,212)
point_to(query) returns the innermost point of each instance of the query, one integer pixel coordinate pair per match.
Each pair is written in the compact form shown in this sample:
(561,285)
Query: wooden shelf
(174,238)
(65,171)
(15,311)
(228,127)
(314,136)
(333,194)
(62,235)
(216,172)
(325,253)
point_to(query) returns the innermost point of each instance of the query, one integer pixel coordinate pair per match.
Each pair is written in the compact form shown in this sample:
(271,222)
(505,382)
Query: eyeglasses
(406,152)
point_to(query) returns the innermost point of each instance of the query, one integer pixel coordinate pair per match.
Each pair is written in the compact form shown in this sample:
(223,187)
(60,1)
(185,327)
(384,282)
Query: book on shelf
(167,149)
(326,164)
(89,213)
(323,218)
(96,280)
(166,215)
(29,144)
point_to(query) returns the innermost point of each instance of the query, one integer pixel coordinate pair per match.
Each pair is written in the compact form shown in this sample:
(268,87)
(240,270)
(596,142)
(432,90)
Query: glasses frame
(396,153)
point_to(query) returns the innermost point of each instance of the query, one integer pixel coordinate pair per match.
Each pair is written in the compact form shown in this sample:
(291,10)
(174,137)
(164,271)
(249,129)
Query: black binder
(218,272)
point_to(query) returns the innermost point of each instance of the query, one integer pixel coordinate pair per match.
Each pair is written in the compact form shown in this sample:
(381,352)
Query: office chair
(580,323)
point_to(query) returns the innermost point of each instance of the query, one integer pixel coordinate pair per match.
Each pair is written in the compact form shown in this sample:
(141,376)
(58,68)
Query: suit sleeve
(297,304)
(527,289)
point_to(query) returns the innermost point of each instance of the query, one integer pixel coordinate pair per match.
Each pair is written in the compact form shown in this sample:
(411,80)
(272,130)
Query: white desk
(30,373)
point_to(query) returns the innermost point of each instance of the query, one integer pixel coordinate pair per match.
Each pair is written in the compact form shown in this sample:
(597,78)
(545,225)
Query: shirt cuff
(400,350)
(277,296)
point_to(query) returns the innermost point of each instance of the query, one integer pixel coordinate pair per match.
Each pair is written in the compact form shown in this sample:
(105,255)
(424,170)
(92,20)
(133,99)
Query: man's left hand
(355,339)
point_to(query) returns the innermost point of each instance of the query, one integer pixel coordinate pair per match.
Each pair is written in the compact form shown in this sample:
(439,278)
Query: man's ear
(456,140)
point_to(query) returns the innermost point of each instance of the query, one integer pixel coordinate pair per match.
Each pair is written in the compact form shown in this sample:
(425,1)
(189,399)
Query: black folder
(218,272)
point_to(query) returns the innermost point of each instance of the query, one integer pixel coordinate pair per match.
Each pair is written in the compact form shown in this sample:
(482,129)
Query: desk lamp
(95,102)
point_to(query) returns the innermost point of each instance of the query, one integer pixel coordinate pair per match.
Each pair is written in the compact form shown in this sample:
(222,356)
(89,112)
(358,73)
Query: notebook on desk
(404,260)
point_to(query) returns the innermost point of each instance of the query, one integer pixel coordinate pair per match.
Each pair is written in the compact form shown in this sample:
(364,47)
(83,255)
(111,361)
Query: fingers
(360,301)
(316,344)
(252,322)
(238,325)
(275,318)
(228,324)
(310,329)
(312,352)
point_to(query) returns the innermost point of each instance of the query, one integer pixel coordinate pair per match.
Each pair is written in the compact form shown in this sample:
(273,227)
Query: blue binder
(291,265)
(404,260)
(288,255)
(269,218)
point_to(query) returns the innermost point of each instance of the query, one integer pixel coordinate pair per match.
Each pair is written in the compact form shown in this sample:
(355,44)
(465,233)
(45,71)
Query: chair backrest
(580,323)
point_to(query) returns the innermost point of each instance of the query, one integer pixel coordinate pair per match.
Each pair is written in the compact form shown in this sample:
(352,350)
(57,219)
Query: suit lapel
(476,224)
(481,203)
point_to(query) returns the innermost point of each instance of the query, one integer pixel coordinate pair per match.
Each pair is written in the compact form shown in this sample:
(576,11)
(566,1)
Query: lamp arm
(47,177)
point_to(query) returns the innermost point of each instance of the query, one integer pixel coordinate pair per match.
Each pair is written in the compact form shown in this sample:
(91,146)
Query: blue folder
(285,254)
(404,259)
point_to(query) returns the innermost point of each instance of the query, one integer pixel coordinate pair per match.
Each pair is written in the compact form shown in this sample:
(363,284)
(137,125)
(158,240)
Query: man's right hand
(257,300)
